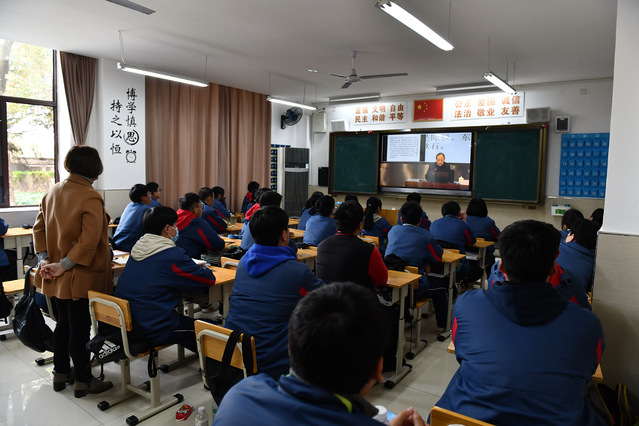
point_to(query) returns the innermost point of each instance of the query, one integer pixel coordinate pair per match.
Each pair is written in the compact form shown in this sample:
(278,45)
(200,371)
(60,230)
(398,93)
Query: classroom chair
(12,289)
(116,312)
(418,305)
(442,417)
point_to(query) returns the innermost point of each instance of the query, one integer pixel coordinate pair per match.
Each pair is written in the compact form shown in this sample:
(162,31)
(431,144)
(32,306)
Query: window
(28,137)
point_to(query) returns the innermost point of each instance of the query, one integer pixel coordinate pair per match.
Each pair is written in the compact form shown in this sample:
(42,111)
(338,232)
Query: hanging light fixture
(501,84)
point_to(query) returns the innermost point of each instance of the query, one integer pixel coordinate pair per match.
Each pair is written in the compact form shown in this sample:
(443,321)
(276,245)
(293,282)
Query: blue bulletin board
(584,165)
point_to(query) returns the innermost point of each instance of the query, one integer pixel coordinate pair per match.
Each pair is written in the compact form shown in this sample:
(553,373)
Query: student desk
(235,218)
(399,282)
(292,223)
(482,245)
(18,239)
(450,261)
(298,235)
(236,227)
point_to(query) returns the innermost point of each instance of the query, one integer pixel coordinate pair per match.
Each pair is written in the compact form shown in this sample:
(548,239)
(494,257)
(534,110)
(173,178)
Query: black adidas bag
(107,345)
(5,305)
(28,322)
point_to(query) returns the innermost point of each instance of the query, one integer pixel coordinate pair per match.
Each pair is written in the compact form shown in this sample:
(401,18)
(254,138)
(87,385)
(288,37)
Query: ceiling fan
(354,78)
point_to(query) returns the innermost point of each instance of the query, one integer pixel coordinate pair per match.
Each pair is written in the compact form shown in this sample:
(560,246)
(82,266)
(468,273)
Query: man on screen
(440,172)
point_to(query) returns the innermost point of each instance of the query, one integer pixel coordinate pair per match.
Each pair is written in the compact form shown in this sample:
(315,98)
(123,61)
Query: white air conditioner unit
(538,115)
(339,125)
(319,122)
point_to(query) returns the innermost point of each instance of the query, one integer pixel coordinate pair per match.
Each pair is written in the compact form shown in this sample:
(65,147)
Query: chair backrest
(442,417)
(111,310)
(212,340)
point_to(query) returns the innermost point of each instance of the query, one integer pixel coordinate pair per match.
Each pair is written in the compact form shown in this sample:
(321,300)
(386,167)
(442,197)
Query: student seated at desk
(423,222)
(219,202)
(154,189)
(130,228)
(308,210)
(320,226)
(196,236)
(374,224)
(268,284)
(336,358)
(483,226)
(577,252)
(249,198)
(210,214)
(154,278)
(525,353)
(568,219)
(267,197)
(597,216)
(7,272)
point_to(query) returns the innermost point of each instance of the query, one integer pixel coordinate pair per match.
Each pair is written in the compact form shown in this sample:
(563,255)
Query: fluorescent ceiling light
(499,83)
(160,74)
(468,87)
(289,103)
(133,6)
(396,11)
(361,98)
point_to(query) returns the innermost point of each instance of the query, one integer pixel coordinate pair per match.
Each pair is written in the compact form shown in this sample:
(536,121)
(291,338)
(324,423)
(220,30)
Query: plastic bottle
(201,419)
(382,415)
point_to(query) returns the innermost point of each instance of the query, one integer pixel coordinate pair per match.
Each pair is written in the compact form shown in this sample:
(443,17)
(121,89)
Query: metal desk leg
(400,370)
(482,264)
(451,282)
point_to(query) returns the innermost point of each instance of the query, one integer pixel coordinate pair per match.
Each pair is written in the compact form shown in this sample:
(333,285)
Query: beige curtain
(78,73)
(215,136)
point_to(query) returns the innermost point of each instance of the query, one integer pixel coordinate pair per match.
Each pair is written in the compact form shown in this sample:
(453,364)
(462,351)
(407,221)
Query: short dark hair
(597,216)
(585,232)
(152,187)
(477,207)
(218,190)
(325,205)
(188,200)
(351,197)
(440,153)
(138,191)
(270,198)
(310,203)
(339,318)
(84,160)
(414,196)
(411,212)
(156,218)
(259,192)
(569,217)
(253,186)
(451,207)
(348,216)
(205,192)
(528,249)
(267,224)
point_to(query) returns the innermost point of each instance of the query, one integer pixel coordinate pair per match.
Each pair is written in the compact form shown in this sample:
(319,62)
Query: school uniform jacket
(153,280)
(380,229)
(196,236)
(345,257)
(247,202)
(318,228)
(579,261)
(291,401)
(221,209)
(4,227)
(455,231)
(485,227)
(268,284)
(155,203)
(423,222)
(525,355)
(130,228)
(212,217)
(304,217)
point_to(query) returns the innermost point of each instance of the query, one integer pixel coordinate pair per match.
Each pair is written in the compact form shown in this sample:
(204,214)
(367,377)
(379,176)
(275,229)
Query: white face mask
(177,234)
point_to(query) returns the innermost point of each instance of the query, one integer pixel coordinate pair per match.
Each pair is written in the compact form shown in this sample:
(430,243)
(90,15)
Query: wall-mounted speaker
(562,124)
(339,125)
(319,123)
(538,115)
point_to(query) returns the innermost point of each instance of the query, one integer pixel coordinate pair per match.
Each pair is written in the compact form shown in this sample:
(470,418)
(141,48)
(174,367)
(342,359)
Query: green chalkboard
(510,163)
(354,163)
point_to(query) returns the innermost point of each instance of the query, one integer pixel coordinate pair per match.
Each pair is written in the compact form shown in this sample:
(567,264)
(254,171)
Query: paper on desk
(120,260)
(199,261)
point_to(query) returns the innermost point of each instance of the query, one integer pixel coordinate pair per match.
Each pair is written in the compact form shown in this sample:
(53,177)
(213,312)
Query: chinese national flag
(431,109)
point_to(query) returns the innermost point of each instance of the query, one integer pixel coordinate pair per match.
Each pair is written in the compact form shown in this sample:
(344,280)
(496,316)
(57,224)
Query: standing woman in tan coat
(70,235)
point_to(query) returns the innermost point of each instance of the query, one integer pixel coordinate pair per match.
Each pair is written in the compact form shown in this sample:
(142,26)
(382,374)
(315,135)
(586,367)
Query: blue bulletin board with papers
(584,165)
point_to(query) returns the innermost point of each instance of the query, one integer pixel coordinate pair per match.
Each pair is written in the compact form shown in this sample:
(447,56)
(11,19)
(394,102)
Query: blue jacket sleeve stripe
(190,276)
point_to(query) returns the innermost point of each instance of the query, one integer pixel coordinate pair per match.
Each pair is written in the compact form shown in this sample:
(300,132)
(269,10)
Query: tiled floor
(27,396)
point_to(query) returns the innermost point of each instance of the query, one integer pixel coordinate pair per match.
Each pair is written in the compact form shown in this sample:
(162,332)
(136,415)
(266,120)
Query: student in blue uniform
(351,197)
(525,353)
(154,278)
(219,202)
(323,388)
(6,274)
(321,226)
(374,224)
(130,228)
(308,210)
(483,226)
(418,247)
(154,189)
(577,252)
(423,222)
(268,284)
(249,198)
(196,236)
(567,220)
(209,213)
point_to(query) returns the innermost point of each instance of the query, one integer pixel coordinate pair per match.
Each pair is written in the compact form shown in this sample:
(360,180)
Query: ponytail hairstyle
(310,204)
(372,204)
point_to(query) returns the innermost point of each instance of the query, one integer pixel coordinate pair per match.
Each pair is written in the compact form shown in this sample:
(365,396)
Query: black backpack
(618,407)
(28,321)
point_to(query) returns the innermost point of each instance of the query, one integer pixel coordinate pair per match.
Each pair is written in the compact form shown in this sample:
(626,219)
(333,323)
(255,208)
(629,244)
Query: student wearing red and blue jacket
(196,236)
(210,214)
(154,189)
(154,278)
(322,225)
(374,224)
(219,202)
(309,210)
(268,284)
(130,229)
(503,337)
(577,252)
(424,222)
(483,226)
(249,199)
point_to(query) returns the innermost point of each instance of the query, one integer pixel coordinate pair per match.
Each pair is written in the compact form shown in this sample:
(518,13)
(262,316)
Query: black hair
(336,337)
(528,249)
(218,190)
(204,193)
(253,186)
(138,191)
(325,205)
(585,232)
(570,217)
(156,218)
(152,187)
(451,207)
(351,197)
(414,196)
(258,194)
(348,216)
(477,207)
(372,204)
(597,216)
(411,213)
(310,203)
(188,200)
(270,198)
(440,153)
(267,224)
(84,160)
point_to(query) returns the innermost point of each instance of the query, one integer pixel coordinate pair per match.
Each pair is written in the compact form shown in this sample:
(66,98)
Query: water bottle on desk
(382,415)
(201,419)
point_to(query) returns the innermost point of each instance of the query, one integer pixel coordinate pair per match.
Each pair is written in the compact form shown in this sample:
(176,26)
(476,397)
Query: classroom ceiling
(268,46)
